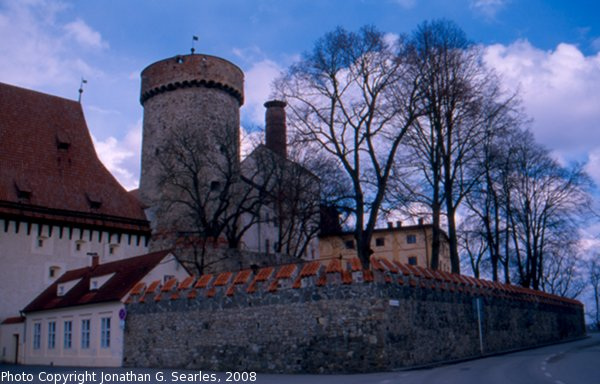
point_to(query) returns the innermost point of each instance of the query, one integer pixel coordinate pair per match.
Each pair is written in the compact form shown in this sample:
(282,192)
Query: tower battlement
(188,71)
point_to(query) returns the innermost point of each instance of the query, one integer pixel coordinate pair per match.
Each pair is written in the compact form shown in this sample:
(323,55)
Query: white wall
(8,342)
(26,262)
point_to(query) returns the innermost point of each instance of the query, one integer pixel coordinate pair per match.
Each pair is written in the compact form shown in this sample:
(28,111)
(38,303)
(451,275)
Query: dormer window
(23,190)
(62,142)
(98,281)
(94,200)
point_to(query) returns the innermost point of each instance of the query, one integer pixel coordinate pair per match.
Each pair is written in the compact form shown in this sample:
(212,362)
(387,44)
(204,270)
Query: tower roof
(49,170)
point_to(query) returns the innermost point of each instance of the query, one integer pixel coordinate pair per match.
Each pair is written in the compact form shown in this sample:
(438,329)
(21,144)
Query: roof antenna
(194,38)
(83,81)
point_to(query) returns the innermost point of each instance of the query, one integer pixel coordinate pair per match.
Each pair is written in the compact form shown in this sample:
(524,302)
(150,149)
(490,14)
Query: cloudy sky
(549,50)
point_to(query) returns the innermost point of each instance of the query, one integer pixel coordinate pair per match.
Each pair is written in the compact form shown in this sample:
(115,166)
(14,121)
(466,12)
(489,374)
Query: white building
(79,320)
(58,203)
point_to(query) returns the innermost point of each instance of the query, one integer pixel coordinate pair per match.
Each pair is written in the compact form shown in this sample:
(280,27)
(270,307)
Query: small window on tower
(412,260)
(380,241)
(411,239)
(349,244)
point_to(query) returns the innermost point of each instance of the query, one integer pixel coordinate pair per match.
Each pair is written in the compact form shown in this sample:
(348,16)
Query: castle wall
(315,319)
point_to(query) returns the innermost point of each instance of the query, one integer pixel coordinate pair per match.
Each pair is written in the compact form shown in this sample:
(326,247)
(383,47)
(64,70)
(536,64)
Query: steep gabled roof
(127,273)
(49,169)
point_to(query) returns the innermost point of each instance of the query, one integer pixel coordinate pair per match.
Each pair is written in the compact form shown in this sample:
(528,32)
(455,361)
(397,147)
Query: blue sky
(547,49)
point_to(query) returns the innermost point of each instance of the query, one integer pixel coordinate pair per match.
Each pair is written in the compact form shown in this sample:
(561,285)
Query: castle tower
(189,100)
(275,127)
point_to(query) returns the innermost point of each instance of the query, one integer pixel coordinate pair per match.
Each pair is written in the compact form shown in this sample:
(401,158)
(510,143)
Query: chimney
(275,127)
(420,221)
(390,225)
(95,259)
(398,224)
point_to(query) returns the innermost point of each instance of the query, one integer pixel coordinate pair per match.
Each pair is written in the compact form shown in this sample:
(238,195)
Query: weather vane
(194,38)
(83,81)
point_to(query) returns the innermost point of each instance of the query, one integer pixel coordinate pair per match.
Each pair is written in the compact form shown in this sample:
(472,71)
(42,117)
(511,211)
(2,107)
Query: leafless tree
(206,197)
(459,95)
(354,97)
(593,269)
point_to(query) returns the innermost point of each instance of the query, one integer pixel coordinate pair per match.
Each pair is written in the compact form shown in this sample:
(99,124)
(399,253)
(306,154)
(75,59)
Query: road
(570,363)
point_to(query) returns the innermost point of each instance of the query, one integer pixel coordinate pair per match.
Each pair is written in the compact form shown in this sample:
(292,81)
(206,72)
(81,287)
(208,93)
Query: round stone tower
(187,99)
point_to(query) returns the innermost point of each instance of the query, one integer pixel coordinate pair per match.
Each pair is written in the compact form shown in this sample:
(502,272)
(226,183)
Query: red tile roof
(127,273)
(49,169)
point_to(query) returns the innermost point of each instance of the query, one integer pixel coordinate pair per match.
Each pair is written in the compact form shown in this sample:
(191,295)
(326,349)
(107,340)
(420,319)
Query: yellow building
(405,244)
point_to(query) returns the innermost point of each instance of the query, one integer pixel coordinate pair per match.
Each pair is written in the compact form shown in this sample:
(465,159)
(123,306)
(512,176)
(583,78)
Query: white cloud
(559,89)
(259,78)
(121,157)
(85,35)
(488,8)
(35,50)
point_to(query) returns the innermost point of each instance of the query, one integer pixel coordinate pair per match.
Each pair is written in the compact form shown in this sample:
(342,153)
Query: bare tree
(354,97)
(593,269)
(458,93)
(206,197)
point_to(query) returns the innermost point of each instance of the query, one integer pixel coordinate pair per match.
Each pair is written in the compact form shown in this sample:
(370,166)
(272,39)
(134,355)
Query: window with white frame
(105,332)
(85,334)
(51,334)
(68,334)
(37,335)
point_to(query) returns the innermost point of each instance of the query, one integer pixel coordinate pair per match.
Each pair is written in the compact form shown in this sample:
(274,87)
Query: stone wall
(337,318)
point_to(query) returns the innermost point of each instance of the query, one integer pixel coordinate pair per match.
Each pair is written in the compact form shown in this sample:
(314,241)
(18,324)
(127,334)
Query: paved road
(571,363)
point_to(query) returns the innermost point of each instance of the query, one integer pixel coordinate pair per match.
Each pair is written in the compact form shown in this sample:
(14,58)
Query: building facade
(58,203)
(404,244)
(79,320)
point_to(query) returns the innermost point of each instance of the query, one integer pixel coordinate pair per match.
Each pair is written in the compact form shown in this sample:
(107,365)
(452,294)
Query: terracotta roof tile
(139,288)
(192,294)
(223,279)
(273,286)
(186,283)
(310,269)
(368,275)
(334,266)
(346,277)
(298,283)
(203,281)
(322,280)
(390,267)
(286,271)
(32,127)
(264,273)
(169,285)
(252,287)
(231,290)
(355,264)
(242,277)
(377,264)
(211,292)
(153,286)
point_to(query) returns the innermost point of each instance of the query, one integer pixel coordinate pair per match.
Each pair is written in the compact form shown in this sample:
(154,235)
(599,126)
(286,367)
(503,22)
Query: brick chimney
(275,127)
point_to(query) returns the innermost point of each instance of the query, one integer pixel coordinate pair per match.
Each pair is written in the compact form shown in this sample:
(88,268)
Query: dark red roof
(49,169)
(13,320)
(127,273)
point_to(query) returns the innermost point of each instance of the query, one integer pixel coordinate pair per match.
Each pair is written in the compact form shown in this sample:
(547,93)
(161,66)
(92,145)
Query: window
(68,336)
(37,335)
(51,335)
(85,333)
(412,260)
(349,244)
(105,332)
(379,241)
(78,246)
(411,239)
(53,271)
(40,242)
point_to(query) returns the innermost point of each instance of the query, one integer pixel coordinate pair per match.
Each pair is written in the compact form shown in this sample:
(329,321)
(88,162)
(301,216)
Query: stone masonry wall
(336,318)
